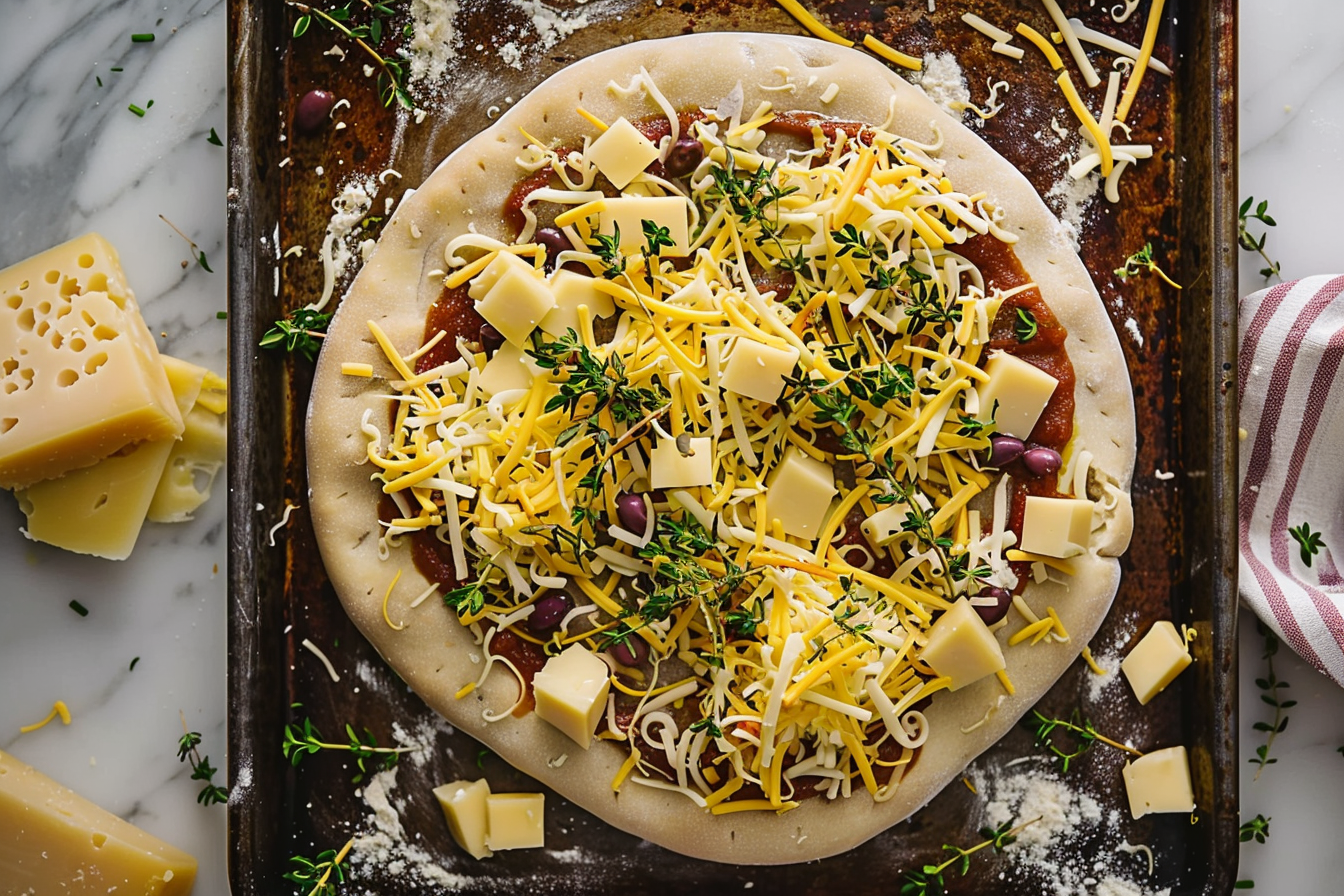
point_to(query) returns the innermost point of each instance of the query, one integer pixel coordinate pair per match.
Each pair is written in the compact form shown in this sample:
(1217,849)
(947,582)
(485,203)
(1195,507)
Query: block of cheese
(882,527)
(1156,660)
(571,692)
(515,820)
(52,840)
(621,152)
(1056,527)
(757,370)
(572,290)
(508,369)
(463,804)
(100,510)
(501,264)
(669,468)
(80,376)
(1015,396)
(196,458)
(1159,782)
(629,214)
(516,303)
(962,647)
(799,493)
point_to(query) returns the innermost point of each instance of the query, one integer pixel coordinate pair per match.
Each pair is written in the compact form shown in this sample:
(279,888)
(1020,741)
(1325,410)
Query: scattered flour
(434,39)
(1070,200)
(1097,685)
(384,846)
(943,81)
(350,207)
(1133,327)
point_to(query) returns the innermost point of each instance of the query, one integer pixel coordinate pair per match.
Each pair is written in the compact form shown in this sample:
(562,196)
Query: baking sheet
(1180,349)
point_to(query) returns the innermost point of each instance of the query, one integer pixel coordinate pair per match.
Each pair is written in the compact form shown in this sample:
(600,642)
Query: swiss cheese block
(1015,396)
(463,804)
(515,820)
(571,692)
(621,152)
(53,841)
(80,376)
(757,370)
(100,509)
(1156,660)
(799,493)
(196,458)
(516,303)
(1159,782)
(962,647)
(1056,527)
(669,468)
(630,212)
(572,290)
(882,527)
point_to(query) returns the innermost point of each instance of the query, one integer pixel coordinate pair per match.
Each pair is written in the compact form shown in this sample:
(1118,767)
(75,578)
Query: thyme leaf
(1249,242)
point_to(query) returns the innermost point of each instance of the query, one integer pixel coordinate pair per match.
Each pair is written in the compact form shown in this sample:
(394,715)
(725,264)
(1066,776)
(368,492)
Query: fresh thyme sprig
(201,769)
(1248,242)
(928,881)
(392,84)
(1084,734)
(1025,328)
(302,739)
(469,599)
(1308,542)
(1140,261)
(302,331)
(1256,829)
(319,872)
(1270,687)
(195,249)
(607,248)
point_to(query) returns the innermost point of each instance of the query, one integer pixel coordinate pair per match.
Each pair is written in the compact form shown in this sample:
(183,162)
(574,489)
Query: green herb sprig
(195,249)
(392,77)
(302,739)
(1140,261)
(302,331)
(324,874)
(1025,327)
(928,881)
(201,769)
(1270,686)
(1309,543)
(1083,732)
(1249,242)
(1256,829)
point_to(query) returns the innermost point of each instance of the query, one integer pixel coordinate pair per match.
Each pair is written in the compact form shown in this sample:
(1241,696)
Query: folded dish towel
(1292,465)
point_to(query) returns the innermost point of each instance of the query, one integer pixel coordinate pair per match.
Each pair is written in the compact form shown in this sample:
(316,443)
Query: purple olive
(491,340)
(631,651)
(632,513)
(1041,461)
(554,242)
(313,111)
(992,613)
(547,613)
(1003,450)
(683,157)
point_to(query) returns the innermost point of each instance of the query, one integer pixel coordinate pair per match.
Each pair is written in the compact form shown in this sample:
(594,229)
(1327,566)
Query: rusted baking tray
(1180,348)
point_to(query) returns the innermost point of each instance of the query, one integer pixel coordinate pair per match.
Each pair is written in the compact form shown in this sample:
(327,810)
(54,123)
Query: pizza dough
(403,278)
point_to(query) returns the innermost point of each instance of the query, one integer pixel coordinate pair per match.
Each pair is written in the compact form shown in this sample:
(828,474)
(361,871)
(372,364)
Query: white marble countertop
(73,158)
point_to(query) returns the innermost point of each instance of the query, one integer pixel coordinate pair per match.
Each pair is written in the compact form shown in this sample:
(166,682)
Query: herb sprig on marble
(201,769)
(1248,241)
(1270,686)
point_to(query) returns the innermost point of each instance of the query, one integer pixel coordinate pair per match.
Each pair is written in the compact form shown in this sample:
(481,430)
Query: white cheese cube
(882,527)
(572,290)
(571,692)
(1156,660)
(507,370)
(1056,527)
(669,468)
(757,370)
(500,265)
(621,152)
(629,214)
(799,493)
(1015,396)
(516,303)
(515,820)
(1159,782)
(962,647)
(463,804)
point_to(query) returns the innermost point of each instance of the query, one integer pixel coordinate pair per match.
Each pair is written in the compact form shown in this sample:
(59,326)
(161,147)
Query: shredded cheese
(808,21)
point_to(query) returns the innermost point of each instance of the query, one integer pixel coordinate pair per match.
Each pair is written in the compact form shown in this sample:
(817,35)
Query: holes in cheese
(757,370)
(1056,527)
(630,212)
(516,302)
(1159,782)
(962,647)
(68,405)
(571,693)
(195,461)
(515,820)
(669,468)
(1015,396)
(1155,661)
(463,804)
(799,493)
(621,153)
(882,527)
(572,290)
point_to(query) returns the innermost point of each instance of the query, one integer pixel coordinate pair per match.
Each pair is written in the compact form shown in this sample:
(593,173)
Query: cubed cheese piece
(882,527)
(757,370)
(1015,396)
(629,214)
(80,376)
(1057,527)
(515,820)
(669,468)
(510,368)
(572,290)
(1156,661)
(516,304)
(500,265)
(196,458)
(100,510)
(571,692)
(463,804)
(52,840)
(1159,782)
(621,152)
(799,493)
(962,647)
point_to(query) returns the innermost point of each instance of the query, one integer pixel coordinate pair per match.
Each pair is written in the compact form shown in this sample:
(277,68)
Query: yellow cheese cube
(572,290)
(571,692)
(52,840)
(1159,782)
(1155,661)
(757,370)
(516,303)
(669,468)
(463,804)
(1056,527)
(515,820)
(882,527)
(509,369)
(962,647)
(80,376)
(799,493)
(500,265)
(621,152)
(1015,396)
(629,214)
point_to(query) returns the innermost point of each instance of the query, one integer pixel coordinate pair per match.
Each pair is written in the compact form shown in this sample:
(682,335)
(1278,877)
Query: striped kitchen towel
(1292,465)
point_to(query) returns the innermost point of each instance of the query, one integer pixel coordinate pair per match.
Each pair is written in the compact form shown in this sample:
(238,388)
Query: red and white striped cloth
(1292,463)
